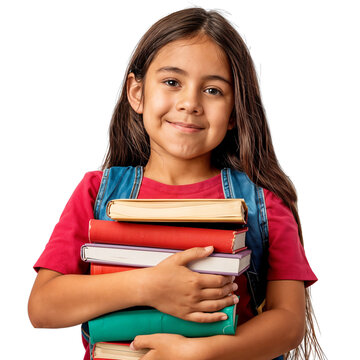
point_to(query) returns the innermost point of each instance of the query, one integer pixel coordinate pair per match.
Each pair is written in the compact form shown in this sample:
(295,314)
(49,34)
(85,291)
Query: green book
(124,325)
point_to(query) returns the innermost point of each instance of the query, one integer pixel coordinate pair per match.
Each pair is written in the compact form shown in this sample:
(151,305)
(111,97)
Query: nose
(189,101)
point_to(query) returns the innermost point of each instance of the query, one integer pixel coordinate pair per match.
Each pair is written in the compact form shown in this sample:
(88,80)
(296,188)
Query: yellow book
(178,210)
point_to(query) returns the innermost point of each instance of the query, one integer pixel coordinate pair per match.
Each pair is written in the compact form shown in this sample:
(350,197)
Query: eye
(213,91)
(171,82)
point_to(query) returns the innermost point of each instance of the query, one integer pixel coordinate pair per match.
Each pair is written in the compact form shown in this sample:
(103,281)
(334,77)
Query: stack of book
(145,233)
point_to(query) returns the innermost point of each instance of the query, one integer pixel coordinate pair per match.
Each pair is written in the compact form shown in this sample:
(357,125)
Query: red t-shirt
(287,260)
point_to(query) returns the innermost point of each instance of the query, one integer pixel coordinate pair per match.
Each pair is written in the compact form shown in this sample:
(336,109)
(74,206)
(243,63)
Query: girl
(190,106)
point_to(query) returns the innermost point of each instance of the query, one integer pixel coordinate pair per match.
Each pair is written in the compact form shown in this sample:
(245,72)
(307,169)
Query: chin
(188,155)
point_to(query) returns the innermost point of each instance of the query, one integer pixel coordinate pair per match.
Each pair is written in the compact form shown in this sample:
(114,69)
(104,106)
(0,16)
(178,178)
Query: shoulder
(87,188)
(287,259)
(91,180)
(281,222)
(71,231)
(275,206)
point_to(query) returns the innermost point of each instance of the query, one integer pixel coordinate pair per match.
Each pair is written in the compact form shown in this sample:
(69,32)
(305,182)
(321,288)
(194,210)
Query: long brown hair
(247,147)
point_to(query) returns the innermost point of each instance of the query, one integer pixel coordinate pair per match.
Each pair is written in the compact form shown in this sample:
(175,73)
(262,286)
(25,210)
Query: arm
(277,330)
(58,300)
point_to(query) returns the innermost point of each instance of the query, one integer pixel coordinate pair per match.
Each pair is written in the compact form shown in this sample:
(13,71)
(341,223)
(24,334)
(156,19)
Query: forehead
(199,53)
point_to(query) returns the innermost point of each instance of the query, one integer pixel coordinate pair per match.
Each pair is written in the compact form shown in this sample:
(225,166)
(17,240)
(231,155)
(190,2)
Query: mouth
(185,127)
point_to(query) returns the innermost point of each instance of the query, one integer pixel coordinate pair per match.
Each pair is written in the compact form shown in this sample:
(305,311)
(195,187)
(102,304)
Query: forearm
(264,337)
(67,300)
(64,300)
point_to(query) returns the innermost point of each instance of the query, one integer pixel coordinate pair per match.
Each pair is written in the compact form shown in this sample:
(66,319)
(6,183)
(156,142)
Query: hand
(168,347)
(174,289)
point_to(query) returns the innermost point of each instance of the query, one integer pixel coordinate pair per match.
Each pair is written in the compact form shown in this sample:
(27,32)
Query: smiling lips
(185,127)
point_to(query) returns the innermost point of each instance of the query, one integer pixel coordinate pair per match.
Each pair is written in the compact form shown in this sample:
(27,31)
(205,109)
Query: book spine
(98,269)
(160,236)
(125,325)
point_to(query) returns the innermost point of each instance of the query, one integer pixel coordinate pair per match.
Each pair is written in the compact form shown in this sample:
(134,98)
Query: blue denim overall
(124,183)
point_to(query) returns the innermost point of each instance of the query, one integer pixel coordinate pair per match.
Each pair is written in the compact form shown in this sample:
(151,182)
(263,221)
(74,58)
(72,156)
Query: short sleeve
(62,252)
(287,259)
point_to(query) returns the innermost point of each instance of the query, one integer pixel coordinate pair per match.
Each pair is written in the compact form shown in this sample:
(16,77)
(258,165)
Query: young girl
(190,107)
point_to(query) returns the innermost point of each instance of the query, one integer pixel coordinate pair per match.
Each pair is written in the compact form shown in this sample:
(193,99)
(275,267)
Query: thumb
(143,342)
(184,257)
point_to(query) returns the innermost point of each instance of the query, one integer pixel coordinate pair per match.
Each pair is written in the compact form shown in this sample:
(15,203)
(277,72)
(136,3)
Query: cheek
(220,119)
(156,104)
(219,129)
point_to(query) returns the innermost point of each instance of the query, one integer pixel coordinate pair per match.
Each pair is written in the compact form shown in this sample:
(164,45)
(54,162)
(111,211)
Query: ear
(134,93)
(231,123)
(232,119)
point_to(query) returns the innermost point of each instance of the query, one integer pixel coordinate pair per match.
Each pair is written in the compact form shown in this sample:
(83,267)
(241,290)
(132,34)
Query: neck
(179,171)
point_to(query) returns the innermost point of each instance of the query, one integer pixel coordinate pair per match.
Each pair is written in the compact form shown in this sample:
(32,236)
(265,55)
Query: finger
(217,305)
(202,317)
(214,281)
(144,342)
(184,257)
(148,356)
(218,293)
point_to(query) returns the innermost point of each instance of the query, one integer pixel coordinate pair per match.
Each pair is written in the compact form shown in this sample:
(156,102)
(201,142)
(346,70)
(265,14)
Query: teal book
(124,325)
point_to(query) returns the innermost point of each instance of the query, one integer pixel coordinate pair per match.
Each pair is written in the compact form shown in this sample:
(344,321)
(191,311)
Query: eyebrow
(183,72)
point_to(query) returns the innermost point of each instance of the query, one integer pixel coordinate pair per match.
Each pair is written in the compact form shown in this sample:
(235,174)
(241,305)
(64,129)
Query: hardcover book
(125,325)
(165,236)
(178,210)
(97,269)
(111,254)
(116,351)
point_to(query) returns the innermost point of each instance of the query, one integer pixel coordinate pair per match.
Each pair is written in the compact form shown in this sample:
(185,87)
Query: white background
(62,64)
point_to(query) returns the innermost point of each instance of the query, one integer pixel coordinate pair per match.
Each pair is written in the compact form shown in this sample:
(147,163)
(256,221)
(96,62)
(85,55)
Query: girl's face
(188,98)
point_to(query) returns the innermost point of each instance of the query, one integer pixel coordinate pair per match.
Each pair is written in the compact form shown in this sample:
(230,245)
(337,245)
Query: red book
(97,269)
(165,236)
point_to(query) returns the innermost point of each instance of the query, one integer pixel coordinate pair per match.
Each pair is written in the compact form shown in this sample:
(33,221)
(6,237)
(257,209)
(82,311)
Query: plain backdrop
(61,68)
